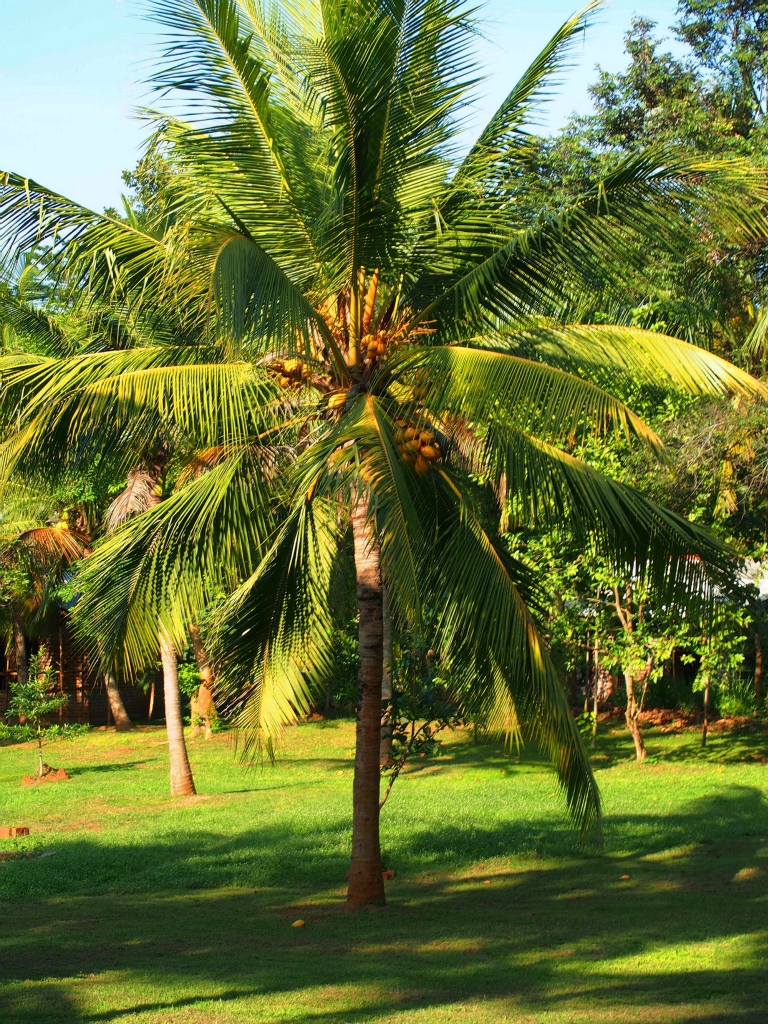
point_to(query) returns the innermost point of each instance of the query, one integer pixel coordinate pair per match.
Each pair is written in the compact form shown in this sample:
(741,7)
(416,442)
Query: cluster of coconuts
(288,371)
(375,345)
(338,399)
(418,446)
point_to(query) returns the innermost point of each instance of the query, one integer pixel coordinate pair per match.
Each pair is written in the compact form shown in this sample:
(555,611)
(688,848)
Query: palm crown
(337,323)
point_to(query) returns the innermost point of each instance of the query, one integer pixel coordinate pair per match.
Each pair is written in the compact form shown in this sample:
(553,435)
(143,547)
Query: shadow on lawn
(113,766)
(726,747)
(544,937)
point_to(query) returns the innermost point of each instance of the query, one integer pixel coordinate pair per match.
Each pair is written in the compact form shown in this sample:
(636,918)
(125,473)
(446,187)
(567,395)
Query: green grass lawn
(155,910)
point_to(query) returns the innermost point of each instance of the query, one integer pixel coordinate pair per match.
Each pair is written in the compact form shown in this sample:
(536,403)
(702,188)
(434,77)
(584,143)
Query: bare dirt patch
(49,775)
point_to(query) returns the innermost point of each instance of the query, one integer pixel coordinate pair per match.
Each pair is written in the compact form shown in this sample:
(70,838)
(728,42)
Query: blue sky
(71,76)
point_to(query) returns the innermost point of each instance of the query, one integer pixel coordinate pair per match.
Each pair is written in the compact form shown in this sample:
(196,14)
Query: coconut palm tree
(365,341)
(37,546)
(36,337)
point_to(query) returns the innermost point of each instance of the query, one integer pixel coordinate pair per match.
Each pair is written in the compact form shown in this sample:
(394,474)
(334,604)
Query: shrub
(737,698)
(25,733)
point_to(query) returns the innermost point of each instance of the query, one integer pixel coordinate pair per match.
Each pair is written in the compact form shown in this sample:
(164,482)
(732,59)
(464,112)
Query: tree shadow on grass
(723,748)
(176,1004)
(111,766)
(682,939)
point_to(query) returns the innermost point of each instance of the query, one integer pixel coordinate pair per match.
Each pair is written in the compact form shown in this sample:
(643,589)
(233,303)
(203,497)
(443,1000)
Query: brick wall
(81,682)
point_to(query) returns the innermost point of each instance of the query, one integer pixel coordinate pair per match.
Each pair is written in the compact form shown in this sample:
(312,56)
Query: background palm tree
(365,339)
(99,340)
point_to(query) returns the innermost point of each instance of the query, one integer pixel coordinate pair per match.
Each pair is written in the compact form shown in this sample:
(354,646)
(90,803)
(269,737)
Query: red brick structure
(87,698)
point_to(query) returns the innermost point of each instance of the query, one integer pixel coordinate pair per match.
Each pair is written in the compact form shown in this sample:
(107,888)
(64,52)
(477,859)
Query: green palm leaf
(483,270)
(487,162)
(483,387)
(636,354)
(166,564)
(274,632)
(122,401)
(495,649)
(553,489)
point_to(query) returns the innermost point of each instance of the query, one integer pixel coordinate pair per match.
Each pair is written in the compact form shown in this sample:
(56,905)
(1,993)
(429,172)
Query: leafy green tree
(729,39)
(715,292)
(357,345)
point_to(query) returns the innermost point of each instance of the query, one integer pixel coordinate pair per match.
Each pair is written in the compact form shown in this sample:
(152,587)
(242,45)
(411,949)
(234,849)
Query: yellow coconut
(429,452)
(337,400)
(421,465)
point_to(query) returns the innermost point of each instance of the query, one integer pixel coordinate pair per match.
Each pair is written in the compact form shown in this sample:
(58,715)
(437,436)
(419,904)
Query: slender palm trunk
(182,783)
(631,713)
(20,647)
(595,687)
(119,715)
(204,700)
(759,675)
(705,722)
(385,747)
(366,885)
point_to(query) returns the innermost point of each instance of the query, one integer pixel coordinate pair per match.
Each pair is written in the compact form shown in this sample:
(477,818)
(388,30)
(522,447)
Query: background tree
(714,294)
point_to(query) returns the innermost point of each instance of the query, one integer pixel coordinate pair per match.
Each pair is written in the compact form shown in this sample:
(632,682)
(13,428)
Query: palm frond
(495,649)
(166,563)
(484,270)
(273,636)
(482,387)
(217,50)
(556,491)
(394,76)
(639,355)
(119,403)
(500,141)
(257,301)
(107,252)
(46,542)
(32,327)
(138,495)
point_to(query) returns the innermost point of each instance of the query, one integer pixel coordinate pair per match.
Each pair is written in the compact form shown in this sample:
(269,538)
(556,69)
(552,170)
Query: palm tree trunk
(758,675)
(630,716)
(705,722)
(595,688)
(20,647)
(119,715)
(366,885)
(204,701)
(182,783)
(385,747)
